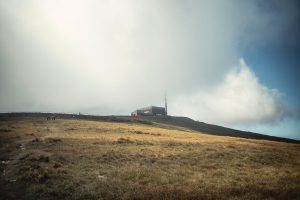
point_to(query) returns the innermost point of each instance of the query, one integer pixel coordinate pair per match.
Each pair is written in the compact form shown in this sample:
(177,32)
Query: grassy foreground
(81,159)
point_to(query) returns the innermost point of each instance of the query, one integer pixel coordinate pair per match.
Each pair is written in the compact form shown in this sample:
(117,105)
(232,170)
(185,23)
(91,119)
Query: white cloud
(239,99)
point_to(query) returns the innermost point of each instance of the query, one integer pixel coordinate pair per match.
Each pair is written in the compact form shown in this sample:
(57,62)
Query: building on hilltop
(151,110)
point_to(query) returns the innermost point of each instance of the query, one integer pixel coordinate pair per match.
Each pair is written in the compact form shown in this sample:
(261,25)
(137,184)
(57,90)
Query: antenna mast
(166,104)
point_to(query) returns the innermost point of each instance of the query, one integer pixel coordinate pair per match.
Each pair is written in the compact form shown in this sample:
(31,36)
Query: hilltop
(88,157)
(170,122)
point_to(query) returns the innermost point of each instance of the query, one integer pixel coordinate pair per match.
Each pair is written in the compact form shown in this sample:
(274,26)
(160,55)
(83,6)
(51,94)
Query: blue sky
(232,63)
(278,68)
(276,64)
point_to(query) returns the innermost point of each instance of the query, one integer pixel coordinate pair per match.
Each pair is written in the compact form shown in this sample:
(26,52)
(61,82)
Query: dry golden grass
(78,159)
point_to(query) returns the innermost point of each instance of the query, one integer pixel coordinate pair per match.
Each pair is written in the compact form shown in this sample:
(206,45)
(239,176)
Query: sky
(231,63)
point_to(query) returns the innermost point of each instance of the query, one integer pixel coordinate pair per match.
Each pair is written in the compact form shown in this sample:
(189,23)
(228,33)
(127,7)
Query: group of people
(51,118)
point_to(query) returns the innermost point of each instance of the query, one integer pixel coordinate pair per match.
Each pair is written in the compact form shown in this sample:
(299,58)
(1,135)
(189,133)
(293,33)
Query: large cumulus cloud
(238,99)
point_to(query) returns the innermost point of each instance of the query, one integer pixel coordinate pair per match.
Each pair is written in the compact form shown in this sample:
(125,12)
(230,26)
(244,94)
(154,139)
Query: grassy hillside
(179,123)
(84,159)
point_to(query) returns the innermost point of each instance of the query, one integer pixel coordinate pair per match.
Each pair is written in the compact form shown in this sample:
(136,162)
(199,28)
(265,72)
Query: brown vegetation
(80,159)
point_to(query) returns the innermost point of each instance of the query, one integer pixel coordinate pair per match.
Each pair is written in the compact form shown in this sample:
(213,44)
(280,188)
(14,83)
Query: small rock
(5,162)
(101,177)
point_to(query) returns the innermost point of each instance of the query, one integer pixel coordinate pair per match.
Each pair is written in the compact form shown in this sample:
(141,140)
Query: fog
(111,57)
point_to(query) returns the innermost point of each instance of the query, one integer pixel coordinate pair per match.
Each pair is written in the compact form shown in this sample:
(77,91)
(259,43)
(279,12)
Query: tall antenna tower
(166,104)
